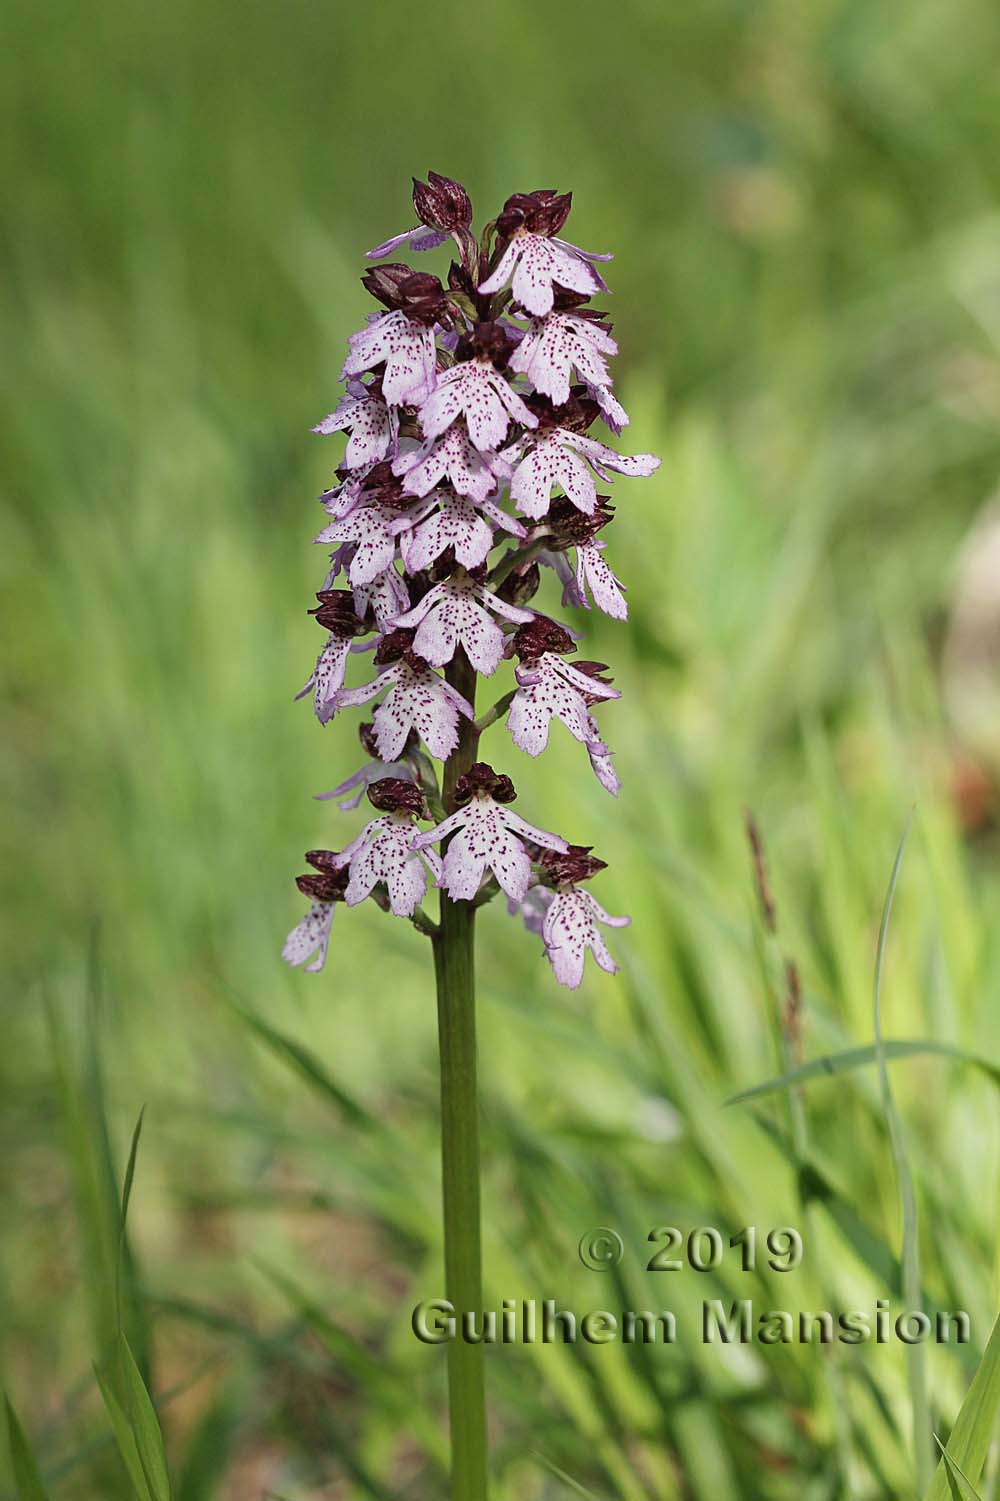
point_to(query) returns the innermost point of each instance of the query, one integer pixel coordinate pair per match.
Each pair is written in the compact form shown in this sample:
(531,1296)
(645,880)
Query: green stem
(454,966)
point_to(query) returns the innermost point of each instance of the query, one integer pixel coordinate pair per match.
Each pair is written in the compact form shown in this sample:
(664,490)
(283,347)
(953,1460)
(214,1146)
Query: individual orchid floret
(487,834)
(401,340)
(563,342)
(336,613)
(456,523)
(477,390)
(570,528)
(443,208)
(455,614)
(535,261)
(385,596)
(418,700)
(385,852)
(452,458)
(373,425)
(550,688)
(373,525)
(557,459)
(353,788)
(311,936)
(569,927)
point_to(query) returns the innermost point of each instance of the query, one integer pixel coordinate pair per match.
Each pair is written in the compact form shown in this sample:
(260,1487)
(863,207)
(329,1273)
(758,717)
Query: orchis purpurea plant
(470,473)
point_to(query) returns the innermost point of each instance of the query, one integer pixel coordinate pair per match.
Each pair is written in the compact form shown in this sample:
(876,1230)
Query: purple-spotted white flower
(486,834)
(570,928)
(418,701)
(407,351)
(466,401)
(387,852)
(454,521)
(337,614)
(311,936)
(557,459)
(558,345)
(454,459)
(372,423)
(551,688)
(569,529)
(373,526)
(569,923)
(456,614)
(478,391)
(535,260)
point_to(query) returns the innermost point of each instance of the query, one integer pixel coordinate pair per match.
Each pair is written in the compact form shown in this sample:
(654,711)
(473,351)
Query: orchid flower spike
(468,484)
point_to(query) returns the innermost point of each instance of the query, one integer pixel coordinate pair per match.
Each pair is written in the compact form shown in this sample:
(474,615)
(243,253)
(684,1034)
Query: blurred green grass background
(803,203)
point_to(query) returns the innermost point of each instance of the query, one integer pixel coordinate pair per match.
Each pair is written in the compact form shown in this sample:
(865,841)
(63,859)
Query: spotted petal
(310,936)
(569,929)
(407,351)
(552,349)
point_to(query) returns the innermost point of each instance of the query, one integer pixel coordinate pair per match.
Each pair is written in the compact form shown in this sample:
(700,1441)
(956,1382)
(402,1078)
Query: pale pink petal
(518,825)
(310,936)
(600,760)
(387,856)
(592,572)
(418,238)
(457,525)
(503,271)
(327,676)
(441,831)
(569,929)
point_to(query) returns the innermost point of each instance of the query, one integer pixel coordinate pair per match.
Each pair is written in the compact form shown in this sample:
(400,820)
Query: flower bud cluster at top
(468,409)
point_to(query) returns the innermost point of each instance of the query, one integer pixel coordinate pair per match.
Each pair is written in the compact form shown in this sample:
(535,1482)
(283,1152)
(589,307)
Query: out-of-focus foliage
(802,199)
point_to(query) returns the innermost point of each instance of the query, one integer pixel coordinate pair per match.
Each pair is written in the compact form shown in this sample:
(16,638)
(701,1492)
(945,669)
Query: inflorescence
(459,397)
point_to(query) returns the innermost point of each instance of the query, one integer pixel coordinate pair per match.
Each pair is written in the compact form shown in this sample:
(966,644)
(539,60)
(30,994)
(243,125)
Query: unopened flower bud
(561,868)
(395,795)
(336,613)
(540,635)
(328,886)
(543,212)
(482,780)
(441,203)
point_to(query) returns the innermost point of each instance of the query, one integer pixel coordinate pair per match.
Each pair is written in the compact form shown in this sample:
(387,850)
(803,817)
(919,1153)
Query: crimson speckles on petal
(373,426)
(556,346)
(487,835)
(569,929)
(452,458)
(479,393)
(407,351)
(534,265)
(418,700)
(456,614)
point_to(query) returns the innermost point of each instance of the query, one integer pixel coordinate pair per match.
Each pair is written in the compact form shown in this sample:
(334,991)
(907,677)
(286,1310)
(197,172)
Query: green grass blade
(853,1058)
(308,1066)
(961,1485)
(560,1474)
(130,1167)
(970,1438)
(912,1291)
(143,1422)
(124,1437)
(22,1459)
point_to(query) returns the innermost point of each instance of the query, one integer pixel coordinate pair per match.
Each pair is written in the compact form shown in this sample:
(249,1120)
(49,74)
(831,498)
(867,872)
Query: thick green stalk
(454,965)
